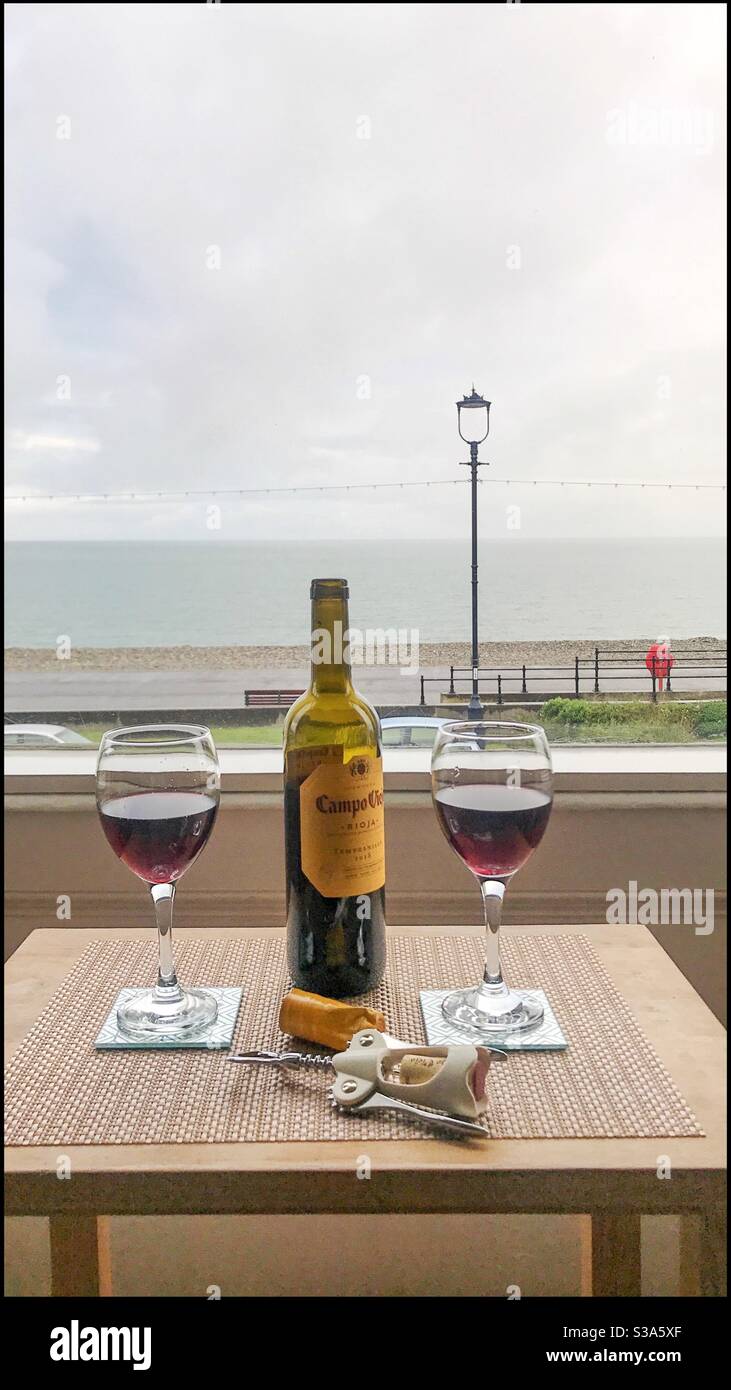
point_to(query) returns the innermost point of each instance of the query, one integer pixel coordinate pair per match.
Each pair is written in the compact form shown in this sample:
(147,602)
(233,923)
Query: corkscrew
(287,1060)
(378,1072)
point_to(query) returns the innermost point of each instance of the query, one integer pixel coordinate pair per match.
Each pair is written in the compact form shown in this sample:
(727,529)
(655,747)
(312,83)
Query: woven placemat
(60,1091)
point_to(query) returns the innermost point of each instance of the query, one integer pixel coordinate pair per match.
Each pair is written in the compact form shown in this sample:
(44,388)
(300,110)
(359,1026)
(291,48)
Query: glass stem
(493,892)
(163,897)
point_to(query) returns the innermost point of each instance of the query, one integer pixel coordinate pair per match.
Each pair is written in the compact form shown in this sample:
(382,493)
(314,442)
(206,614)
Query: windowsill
(599,767)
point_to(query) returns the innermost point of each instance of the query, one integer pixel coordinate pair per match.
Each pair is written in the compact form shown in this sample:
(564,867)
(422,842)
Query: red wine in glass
(158,834)
(492,788)
(157,794)
(492,827)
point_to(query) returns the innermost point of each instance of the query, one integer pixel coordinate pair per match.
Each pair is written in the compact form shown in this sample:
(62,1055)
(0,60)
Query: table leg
(690,1256)
(703,1253)
(80,1263)
(616,1270)
(585,1256)
(713,1270)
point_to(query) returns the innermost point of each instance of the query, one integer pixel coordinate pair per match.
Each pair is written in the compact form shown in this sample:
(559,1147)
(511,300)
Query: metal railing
(588,674)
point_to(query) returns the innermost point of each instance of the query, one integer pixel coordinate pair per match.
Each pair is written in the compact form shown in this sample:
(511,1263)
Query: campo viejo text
(351,807)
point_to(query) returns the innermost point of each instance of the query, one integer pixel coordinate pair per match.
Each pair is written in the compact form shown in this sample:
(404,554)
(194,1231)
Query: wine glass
(492,788)
(157,793)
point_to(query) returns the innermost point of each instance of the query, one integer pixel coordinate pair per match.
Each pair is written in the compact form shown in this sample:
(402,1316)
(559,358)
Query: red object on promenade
(660,659)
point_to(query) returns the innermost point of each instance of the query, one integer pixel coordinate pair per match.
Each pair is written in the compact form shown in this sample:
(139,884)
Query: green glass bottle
(333,817)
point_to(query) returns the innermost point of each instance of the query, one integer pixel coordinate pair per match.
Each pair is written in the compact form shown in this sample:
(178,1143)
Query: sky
(256,246)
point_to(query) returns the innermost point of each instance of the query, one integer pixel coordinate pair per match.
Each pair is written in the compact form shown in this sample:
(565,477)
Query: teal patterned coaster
(546,1037)
(216,1039)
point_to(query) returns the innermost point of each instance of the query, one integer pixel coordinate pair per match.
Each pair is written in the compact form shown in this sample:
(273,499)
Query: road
(61,690)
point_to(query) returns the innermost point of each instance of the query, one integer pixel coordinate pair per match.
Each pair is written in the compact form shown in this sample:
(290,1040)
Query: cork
(414,1069)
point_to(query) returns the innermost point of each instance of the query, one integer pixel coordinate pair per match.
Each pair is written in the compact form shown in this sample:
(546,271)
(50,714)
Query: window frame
(591,767)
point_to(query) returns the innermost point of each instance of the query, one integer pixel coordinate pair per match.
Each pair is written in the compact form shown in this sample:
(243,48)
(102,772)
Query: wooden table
(611,1182)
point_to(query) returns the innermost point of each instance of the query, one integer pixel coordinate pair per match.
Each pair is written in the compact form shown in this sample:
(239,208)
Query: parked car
(410,731)
(44,736)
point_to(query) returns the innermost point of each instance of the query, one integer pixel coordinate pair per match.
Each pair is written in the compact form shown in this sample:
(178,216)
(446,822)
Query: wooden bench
(282,698)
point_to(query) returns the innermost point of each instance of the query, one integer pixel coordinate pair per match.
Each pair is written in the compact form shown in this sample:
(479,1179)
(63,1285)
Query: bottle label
(341,827)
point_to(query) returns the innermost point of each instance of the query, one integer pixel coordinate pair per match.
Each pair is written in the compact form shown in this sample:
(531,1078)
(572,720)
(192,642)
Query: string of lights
(352,487)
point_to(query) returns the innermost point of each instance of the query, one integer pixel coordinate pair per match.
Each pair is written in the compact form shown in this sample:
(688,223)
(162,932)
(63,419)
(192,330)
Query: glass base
(486,1013)
(171,1013)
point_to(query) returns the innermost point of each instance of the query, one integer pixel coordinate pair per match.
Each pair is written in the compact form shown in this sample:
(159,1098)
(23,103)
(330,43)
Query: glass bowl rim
(189,732)
(465,729)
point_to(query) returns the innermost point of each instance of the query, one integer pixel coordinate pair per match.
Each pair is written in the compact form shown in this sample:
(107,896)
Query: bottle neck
(330,663)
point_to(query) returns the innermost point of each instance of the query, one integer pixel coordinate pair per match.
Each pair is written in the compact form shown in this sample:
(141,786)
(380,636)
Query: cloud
(224,220)
(51,442)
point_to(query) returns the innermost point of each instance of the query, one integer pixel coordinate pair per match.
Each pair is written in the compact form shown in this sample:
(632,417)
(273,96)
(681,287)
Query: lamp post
(473,423)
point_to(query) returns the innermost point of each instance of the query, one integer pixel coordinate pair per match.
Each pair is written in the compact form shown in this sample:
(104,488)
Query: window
(244,300)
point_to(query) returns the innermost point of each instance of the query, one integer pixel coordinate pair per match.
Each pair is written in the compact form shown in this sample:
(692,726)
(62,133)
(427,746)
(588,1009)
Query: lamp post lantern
(473,423)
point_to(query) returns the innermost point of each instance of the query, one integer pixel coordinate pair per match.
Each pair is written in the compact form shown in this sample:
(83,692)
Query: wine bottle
(333,817)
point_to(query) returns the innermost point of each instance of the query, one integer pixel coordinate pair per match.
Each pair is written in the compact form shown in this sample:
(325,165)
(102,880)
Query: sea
(213,593)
